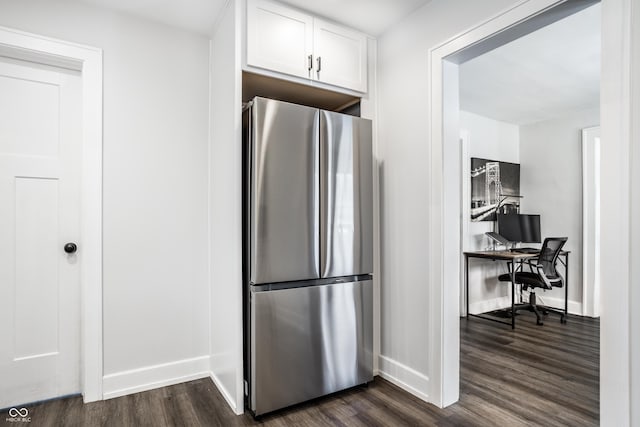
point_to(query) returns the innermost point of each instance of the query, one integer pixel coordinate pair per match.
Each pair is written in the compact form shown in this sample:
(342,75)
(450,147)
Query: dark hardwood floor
(545,376)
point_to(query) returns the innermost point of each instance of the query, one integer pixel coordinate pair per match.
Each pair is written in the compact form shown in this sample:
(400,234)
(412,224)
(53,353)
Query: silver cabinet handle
(319,65)
(309,64)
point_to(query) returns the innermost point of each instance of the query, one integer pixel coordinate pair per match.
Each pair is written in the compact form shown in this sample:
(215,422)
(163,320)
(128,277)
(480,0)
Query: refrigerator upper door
(284,192)
(346,195)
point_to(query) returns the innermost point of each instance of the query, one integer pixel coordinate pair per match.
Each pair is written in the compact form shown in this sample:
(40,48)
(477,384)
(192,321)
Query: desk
(512,258)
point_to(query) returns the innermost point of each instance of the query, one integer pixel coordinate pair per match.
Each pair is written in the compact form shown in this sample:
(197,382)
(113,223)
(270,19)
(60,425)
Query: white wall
(495,140)
(155,188)
(404,154)
(551,182)
(368,110)
(225,200)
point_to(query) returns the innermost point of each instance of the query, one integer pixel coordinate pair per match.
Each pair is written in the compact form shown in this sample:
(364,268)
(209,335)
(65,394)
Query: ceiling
(548,73)
(194,15)
(370,16)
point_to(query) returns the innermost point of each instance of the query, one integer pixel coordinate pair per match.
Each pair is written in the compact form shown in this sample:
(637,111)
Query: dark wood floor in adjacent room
(546,376)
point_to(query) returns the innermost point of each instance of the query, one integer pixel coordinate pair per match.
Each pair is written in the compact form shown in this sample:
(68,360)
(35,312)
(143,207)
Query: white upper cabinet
(279,38)
(340,55)
(285,40)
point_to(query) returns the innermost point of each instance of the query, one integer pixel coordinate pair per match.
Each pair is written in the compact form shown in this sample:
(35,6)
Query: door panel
(37,254)
(284,193)
(308,342)
(346,195)
(343,55)
(278,38)
(40,155)
(30,124)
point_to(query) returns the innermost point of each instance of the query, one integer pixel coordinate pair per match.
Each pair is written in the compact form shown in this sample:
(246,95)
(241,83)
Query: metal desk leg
(513,295)
(566,286)
(466,285)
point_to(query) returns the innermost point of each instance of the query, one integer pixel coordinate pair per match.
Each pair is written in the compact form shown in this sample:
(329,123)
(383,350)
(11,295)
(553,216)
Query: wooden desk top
(503,255)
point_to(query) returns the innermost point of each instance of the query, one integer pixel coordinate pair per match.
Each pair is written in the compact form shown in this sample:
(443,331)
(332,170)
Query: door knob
(70,248)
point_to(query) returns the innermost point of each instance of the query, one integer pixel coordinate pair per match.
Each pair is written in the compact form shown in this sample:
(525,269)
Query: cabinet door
(340,55)
(279,38)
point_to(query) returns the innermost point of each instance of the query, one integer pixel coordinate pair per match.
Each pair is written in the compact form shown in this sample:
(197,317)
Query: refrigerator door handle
(326,190)
(317,181)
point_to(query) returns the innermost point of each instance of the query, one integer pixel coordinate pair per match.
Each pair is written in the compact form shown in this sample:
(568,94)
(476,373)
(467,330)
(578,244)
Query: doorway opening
(446,173)
(523,108)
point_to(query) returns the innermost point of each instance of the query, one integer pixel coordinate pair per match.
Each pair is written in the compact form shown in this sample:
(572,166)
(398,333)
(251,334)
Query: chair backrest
(549,255)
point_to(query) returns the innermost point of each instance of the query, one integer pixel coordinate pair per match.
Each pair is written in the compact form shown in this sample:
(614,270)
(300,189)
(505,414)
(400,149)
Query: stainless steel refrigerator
(308,254)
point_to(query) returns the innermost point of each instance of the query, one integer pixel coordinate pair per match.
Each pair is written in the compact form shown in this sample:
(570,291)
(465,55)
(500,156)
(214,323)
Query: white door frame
(446,210)
(444,218)
(591,221)
(87,60)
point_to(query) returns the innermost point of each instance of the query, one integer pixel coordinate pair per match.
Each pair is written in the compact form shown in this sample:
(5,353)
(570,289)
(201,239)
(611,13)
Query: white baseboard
(222,369)
(225,393)
(487,305)
(148,378)
(574,307)
(404,377)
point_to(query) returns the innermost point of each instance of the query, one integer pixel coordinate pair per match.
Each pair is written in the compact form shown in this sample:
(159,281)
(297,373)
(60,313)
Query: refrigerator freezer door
(284,210)
(308,342)
(346,195)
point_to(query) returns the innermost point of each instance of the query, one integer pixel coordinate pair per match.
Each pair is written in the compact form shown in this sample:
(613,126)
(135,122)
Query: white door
(40,159)
(341,56)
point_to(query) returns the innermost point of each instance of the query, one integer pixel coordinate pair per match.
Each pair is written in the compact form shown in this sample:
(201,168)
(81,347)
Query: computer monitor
(519,227)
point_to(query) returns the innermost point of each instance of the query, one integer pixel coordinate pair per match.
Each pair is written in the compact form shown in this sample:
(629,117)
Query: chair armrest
(532,263)
(545,279)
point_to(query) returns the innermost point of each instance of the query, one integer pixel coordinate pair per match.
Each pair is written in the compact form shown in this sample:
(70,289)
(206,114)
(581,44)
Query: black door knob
(70,248)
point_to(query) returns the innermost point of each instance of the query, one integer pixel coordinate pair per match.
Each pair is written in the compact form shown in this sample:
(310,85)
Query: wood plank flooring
(533,376)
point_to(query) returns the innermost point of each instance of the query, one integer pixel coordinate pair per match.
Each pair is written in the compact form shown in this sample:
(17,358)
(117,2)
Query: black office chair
(542,274)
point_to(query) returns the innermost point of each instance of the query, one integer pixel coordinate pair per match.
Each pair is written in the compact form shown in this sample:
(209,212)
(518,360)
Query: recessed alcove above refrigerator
(283,90)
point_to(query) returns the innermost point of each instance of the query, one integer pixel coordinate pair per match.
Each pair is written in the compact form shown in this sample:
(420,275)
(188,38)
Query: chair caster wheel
(539,322)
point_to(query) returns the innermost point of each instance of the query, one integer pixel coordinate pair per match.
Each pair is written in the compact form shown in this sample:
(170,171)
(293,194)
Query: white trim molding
(485,306)
(488,305)
(620,325)
(404,377)
(591,221)
(217,360)
(151,377)
(87,60)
